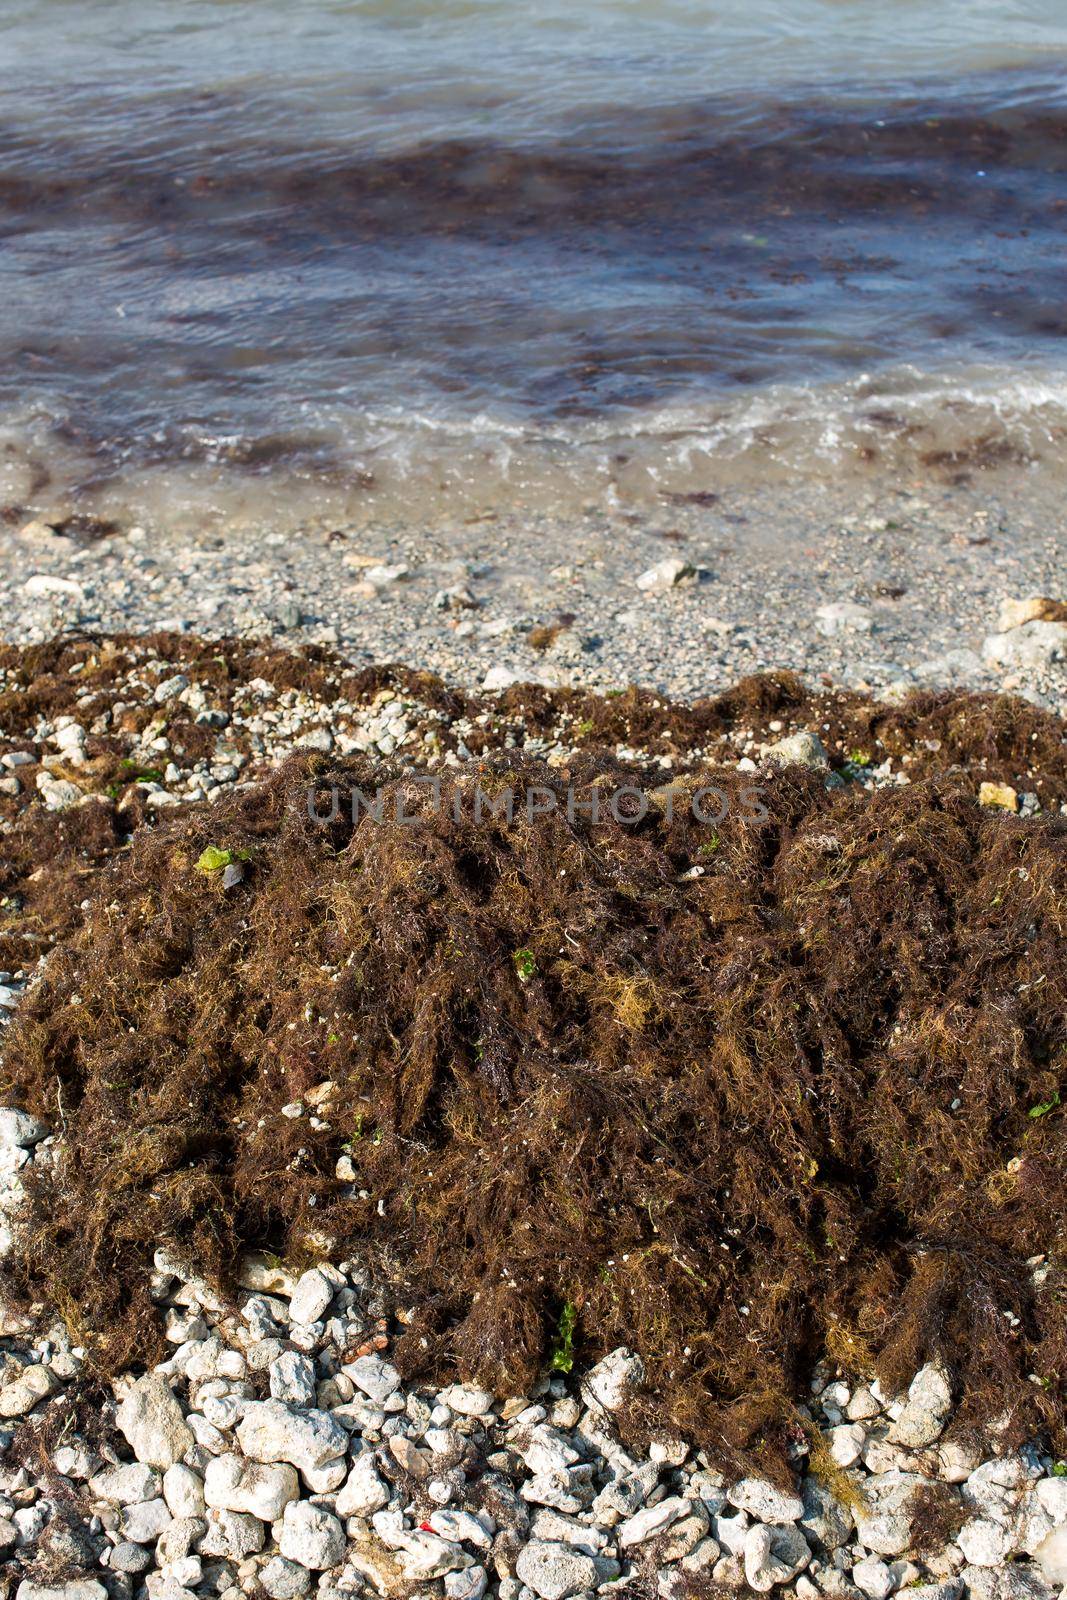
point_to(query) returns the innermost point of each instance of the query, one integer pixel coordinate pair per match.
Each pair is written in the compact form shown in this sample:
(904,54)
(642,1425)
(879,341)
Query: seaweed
(736,1118)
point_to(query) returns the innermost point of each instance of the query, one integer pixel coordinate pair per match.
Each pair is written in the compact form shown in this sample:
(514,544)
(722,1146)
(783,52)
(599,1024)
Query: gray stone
(151,1421)
(801,749)
(376,1378)
(764,1502)
(1034,645)
(232,1534)
(271,1431)
(20,1128)
(311,1536)
(130,1557)
(292,1378)
(826,1519)
(260,1489)
(774,1553)
(170,688)
(284,1580)
(615,1378)
(926,1410)
(311,1296)
(554,1571)
(363,1492)
(843,616)
(883,1520)
(144,1522)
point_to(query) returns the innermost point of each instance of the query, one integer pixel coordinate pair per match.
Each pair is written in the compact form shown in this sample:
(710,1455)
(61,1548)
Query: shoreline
(878,590)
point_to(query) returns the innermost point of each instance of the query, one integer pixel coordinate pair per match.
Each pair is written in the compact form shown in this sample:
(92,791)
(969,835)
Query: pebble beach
(533,800)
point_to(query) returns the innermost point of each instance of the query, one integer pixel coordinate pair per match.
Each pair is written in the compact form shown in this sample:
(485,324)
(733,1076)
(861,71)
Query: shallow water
(388,260)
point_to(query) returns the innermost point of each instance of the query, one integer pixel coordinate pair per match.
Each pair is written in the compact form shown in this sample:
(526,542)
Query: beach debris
(1038,608)
(666,574)
(999,796)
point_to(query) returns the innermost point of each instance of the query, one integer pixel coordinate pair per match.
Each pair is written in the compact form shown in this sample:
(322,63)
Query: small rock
(132,1558)
(58,794)
(554,1571)
(423,1555)
(407,1455)
(183,1490)
(151,1421)
(363,1492)
(1038,608)
(665,575)
(311,1536)
(651,1521)
(764,1502)
(873,1577)
(263,1275)
(499,678)
(825,1518)
(846,1443)
(774,1554)
(455,599)
(269,1431)
(461,1527)
(615,1378)
(72,1589)
(312,1295)
(926,1410)
(801,749)
(984,1543)
(1051,1556)
(378,1379)
(883,1519)
(261,1489)
(843,616)
(467,1399)
(1052,1494)
(125,1485)
(284,1580)
(232,1535)
(292,1378)
(1033,646)
(143,1523)
(33,1385)
(170,688)
(46,583)
(19,1129)
(469,1584)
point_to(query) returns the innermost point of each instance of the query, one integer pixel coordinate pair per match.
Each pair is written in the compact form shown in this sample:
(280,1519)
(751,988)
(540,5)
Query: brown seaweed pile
(49,861)
(735,1095)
